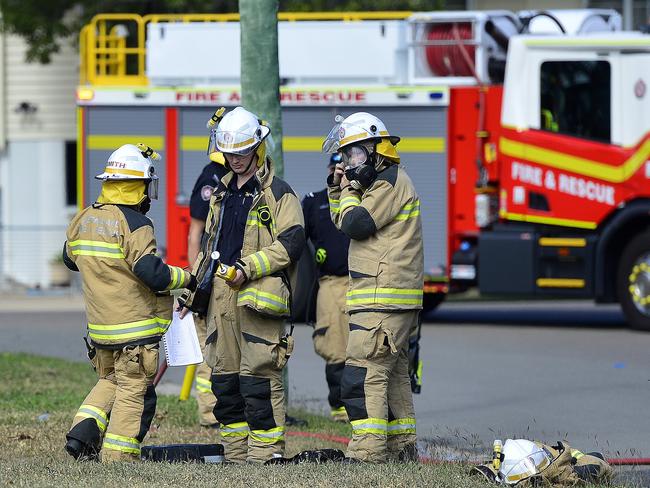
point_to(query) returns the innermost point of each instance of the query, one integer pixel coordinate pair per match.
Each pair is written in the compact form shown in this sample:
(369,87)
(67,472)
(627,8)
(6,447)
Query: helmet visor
(232,142)
(331,142)
(354,156)
(152,188)
(343,134)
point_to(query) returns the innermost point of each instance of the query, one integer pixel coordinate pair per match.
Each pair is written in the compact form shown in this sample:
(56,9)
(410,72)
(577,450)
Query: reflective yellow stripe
(121,443)
(98,254)
(203,385)
(253,220)
(582,224)
(236,145)
(261,299)
(129,330)
(370,426)
(353,137)
(335,205)
(173,275)
(350,201)
(576,454)
(574,164)
(386,296)
(83,247)
(562,242)
(258,264)
(409,211)
(123,171)
(335,412)
(177,278)
(85,242)
(267,263)
(404,425)
(92,412)
(560,283)
(238,429)
(270,436)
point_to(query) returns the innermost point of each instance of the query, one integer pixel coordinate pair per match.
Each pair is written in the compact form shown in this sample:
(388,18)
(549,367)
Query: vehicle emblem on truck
(639,88)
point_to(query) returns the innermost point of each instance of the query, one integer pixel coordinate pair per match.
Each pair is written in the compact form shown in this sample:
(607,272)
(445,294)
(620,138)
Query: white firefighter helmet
(522,459)
(131,162)
(358,127)
(238,132)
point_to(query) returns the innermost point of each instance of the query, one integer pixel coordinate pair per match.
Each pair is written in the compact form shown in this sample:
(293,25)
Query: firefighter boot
(135,402)
(378,342)
(85,436)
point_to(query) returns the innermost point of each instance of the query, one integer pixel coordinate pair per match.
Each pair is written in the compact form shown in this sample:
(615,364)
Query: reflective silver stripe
(95,415)
(369,426)
(262,264)
(96,248)
(155,325)
(268,435)
(260,298)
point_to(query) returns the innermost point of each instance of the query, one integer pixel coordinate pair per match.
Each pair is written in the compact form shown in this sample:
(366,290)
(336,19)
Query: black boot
(81,451)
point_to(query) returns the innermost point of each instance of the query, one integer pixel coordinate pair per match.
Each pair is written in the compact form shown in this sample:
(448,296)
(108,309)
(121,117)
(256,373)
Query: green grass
(31,448)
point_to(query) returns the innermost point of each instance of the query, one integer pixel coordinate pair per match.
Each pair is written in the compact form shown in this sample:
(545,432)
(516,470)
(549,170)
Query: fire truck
(527,134)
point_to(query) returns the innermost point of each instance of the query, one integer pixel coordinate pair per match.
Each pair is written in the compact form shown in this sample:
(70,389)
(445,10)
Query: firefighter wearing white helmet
(255,232)
(128,307)
(374,202)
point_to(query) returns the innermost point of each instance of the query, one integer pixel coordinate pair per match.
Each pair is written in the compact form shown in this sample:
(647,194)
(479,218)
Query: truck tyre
(633,282)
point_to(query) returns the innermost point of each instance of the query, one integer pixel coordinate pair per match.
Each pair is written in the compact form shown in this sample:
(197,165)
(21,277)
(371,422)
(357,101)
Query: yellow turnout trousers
(376,389)
(120,407)
(247,354)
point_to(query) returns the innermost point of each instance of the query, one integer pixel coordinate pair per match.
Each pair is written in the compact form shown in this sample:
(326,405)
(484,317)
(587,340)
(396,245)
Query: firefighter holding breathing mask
(128,306)
(373,201)
(245,272)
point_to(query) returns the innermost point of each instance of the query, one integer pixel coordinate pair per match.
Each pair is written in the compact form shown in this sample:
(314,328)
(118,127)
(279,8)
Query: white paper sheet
(181,342)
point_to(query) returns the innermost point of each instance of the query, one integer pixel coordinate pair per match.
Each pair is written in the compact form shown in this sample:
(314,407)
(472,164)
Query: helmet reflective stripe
(239,132)
(129,163)
(359,126)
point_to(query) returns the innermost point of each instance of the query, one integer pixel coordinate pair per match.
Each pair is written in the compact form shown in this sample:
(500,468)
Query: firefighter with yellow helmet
(245,273)
(374,202)
(126,291)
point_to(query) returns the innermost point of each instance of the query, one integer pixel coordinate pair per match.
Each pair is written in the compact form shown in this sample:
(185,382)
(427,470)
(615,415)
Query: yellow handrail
(109,58)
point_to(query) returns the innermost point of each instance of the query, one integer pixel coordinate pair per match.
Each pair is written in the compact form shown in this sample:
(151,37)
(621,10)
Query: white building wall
(50,88)
(33,211)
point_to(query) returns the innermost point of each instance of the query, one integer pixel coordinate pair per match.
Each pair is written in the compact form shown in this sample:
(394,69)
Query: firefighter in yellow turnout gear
(373,201)
(255,225)
(128,306)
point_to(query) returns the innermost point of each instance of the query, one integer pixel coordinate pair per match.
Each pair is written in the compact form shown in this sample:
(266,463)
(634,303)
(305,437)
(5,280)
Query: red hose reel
(447,58)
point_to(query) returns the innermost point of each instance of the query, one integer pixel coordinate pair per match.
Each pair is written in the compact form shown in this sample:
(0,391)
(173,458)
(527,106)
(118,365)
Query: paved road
(544,370)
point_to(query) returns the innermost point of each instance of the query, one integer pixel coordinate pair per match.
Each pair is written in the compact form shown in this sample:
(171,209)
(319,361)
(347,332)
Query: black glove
(361,177)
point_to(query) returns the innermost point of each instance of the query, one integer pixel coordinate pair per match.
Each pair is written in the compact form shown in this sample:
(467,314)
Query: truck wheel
(430,301)
(633,282)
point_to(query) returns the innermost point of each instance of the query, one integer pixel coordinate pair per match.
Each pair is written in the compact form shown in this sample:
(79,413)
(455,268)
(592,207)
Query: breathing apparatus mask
(359,161)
